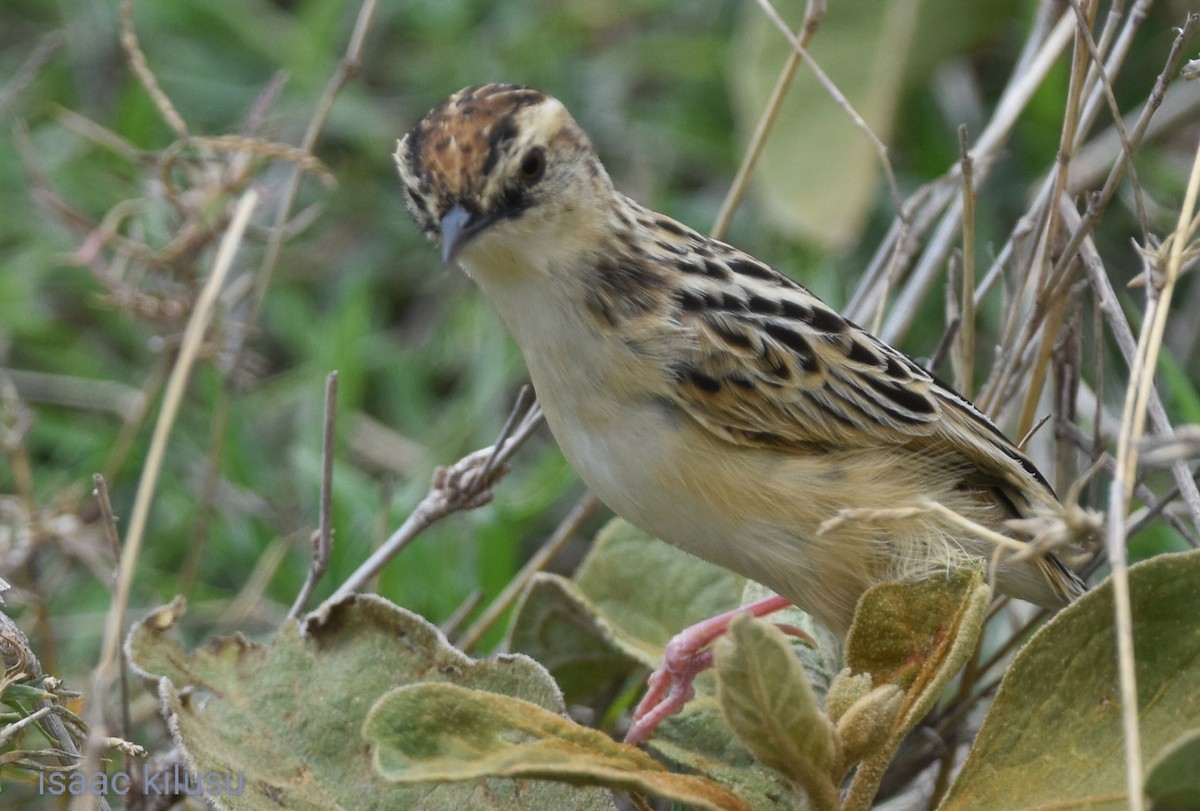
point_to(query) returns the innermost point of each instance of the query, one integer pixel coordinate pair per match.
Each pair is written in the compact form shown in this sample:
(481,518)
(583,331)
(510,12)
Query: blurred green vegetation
(358,290)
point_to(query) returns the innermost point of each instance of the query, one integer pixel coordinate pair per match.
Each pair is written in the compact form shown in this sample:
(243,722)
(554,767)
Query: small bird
(702,395)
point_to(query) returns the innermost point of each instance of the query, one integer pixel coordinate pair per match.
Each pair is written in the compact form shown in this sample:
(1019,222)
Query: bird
(704,396)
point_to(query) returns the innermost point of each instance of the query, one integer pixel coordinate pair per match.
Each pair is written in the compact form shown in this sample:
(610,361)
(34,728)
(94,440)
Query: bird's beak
(458,227)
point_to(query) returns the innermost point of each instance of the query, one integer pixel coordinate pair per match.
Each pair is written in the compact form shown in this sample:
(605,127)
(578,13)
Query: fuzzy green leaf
(698,740)
(650,589)
(867,724)
(287,716)
(916,635)
(767,700)
(440,732)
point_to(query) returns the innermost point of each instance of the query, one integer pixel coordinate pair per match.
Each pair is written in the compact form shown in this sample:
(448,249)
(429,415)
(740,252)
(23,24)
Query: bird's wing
(767,364)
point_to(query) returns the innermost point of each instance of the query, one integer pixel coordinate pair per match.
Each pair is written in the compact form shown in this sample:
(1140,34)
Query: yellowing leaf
(917,635)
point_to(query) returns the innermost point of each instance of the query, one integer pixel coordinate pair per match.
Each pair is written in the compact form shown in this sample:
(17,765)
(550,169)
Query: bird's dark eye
(533,166)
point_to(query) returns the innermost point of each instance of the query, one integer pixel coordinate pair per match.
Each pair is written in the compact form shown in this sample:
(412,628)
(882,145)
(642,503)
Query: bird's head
(498,164)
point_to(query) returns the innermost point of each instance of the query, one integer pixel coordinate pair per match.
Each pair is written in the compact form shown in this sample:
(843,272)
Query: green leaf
(1054,732)
(441,732)
(630,596)
(698,740)
(768,701)
(650,589)
(822,660)
(1173,779)
(287,716)
(817,175)
(558,625)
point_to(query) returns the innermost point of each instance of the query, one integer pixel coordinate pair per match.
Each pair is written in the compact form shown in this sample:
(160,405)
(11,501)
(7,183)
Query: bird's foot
(688,654)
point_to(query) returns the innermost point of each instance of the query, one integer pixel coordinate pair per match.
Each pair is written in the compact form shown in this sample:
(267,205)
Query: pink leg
(687,655)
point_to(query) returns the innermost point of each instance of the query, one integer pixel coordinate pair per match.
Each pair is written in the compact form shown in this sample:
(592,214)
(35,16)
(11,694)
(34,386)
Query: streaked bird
(704,396)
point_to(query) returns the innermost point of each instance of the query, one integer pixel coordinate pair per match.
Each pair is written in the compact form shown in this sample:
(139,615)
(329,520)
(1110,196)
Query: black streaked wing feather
(770,365)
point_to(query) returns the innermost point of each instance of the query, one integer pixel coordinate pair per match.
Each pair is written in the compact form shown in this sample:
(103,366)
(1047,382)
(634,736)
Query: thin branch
(964,358)
(41,55)
(1016,97)
(322,540)
(897,249)
(141,69)
(525,408)
(459,616)
(1132,426)
(1155,504)
(1021,340)
(347,68)
(1105,86)
(465,485)
(1106,298)
(111,535)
